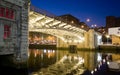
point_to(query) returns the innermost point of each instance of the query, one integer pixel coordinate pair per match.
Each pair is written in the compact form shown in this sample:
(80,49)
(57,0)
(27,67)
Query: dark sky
(95,10)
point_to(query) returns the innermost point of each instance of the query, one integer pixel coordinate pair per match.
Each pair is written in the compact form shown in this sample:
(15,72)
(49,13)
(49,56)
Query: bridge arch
(39,22)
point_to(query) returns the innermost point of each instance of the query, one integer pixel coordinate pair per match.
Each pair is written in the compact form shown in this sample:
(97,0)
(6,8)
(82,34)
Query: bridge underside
(49,25)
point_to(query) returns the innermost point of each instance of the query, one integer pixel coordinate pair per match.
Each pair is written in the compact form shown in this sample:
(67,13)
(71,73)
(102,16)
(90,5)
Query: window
(11,14)
(2,11)
(7,13)
(6,31)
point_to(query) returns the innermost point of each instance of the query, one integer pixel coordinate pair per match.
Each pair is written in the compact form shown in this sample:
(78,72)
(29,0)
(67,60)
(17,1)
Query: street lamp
(107,36)
(88,20)
(82,26)
(93,25)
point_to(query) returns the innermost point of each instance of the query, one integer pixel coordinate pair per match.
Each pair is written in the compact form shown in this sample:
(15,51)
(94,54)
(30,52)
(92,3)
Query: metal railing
(46,13)
(41,11)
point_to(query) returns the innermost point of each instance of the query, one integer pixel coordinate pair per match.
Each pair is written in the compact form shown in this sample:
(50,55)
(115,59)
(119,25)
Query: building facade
(115,35)
(14,28)
(112,21)
(68,18)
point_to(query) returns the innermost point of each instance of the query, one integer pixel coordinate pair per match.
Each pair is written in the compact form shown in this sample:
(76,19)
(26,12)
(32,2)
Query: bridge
(40,21)
(66,33)
(16,42)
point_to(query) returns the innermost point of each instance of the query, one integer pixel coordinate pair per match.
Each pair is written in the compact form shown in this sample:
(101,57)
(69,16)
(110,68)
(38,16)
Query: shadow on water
(12,71)
(8,68)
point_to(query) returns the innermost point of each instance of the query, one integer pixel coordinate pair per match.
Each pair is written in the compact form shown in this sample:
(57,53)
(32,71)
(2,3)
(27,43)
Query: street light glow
(88,20)
(107,36)
(82,26)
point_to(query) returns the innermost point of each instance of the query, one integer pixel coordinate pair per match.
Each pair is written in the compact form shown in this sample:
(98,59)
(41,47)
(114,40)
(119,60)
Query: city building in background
(74,21)
(84,26)
(112,21)
(114,32)
(101,30)
(70,19)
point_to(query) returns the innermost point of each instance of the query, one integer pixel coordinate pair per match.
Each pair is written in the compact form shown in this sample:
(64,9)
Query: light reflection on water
(40,58)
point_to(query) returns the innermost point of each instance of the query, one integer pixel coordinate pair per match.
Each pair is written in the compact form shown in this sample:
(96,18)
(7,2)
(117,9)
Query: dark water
(92,60)
(43,58)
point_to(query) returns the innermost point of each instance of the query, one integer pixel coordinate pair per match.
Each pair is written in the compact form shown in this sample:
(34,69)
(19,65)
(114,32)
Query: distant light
(107,36)
(99,58)
(45,51)
(95,25)
(82,26)
(99,66)
(88,20)
(104,60)
(95,69)
(92,72)
(72,21)
(108,63)
(49,51)
(35,54)
(92,25)
(53,51)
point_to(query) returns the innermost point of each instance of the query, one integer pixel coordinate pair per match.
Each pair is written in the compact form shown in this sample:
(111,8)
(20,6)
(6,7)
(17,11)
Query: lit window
(72,21)
(6,31)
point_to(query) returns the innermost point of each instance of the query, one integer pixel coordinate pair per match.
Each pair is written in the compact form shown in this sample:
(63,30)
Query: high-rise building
(70,19)
(117,22)
(112,21)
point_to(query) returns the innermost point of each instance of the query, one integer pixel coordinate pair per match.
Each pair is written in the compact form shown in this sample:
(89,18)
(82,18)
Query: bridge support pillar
(61,44)
(91,40)
(86,40)
(21,54)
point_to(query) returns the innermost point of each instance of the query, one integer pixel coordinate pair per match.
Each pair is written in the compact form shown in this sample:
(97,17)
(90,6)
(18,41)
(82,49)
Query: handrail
(41,11)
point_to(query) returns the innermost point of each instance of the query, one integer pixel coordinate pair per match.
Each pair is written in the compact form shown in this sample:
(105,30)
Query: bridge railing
(44,12)
(41,11)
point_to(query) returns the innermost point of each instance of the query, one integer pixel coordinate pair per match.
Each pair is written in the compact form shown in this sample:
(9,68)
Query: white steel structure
(39,22)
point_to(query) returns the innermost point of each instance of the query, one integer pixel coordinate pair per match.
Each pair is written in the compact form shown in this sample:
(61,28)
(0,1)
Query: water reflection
(42,59)
(89,57)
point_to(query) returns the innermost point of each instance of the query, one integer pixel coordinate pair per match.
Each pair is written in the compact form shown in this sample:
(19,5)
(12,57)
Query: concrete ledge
(35,46)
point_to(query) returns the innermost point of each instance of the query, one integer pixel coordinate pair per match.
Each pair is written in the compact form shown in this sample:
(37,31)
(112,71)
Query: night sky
(95,10)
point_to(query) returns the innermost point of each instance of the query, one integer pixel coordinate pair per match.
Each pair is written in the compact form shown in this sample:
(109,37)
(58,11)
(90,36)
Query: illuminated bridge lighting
(49,25)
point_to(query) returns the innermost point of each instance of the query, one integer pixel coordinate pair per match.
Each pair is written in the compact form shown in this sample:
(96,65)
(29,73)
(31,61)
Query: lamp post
(107,36)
